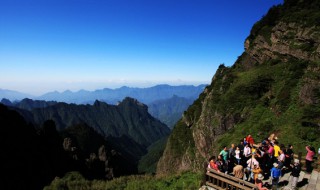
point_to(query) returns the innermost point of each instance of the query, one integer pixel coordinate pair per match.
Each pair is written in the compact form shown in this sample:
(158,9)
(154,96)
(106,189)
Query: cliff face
(274,87)
(286,39)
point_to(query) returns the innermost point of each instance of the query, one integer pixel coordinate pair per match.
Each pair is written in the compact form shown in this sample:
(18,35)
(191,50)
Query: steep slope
(274,87)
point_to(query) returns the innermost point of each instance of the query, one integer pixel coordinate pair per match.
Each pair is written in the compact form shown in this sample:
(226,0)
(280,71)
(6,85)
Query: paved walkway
(306,181)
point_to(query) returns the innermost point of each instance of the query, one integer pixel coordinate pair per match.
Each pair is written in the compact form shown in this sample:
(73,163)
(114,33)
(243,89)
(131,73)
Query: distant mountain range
(13,95)
(165,102)
(111,96)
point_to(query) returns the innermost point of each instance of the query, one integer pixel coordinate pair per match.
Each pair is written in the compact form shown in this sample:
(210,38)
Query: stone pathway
(306,181)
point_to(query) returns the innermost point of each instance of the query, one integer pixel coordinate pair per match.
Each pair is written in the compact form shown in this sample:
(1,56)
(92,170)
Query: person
(256,171)
(245,142)
(309,158)
(262,159)
(265,142)
(232,151)
(252,161)
(275,175)
(231,158)
(281,159)
(238,171)
(253,149)
(250,140)
(241,147)
(220,164)
(212,164)
(269,159)
(295,172)
(224,154)
(246,152)
(250,166)
(238,158)
(259,182)
(276,148)
(289,156)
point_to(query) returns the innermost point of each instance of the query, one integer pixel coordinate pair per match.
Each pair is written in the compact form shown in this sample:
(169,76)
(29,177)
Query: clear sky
(48,45)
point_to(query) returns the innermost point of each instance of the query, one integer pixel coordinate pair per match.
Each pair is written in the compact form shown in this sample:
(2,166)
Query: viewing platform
(307,181)
(221,181)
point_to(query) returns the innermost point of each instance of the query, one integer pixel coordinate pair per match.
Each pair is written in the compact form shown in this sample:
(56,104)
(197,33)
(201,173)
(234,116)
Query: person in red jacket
(212,164)
(250,140)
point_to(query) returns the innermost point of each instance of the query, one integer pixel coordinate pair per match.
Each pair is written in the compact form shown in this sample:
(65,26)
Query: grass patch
(74,181)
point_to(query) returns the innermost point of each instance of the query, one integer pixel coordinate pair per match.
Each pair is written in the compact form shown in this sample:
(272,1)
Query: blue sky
(48,45)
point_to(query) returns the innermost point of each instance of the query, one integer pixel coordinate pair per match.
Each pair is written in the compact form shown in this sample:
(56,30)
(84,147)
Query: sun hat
(275,165)
(260,177)
(296,161)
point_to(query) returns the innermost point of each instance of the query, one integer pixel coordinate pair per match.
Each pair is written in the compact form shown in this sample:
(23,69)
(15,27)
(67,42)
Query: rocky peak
(128,101)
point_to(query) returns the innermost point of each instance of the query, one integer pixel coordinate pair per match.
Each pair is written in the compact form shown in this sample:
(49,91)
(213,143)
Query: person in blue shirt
(275,175)
(224,154)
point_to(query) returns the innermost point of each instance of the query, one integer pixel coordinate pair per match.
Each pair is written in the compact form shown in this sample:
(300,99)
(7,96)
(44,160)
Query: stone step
(306,181)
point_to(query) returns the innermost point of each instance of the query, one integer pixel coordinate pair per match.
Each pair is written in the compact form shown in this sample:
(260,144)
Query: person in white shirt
(237,156)
(247,152)
(251,162)
(250,166)
(281,159)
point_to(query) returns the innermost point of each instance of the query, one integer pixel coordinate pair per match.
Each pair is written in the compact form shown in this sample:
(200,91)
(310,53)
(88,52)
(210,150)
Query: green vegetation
(181,139)
(266,99)
(148,162)
(183,181)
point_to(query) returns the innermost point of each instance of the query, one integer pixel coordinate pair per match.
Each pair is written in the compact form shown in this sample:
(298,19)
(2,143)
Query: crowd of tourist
(265,160)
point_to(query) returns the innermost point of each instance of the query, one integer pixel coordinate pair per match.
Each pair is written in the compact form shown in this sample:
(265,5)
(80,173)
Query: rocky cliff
(273,87)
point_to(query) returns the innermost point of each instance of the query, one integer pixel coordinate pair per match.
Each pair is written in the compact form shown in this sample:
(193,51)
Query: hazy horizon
(58,45)
(112,88)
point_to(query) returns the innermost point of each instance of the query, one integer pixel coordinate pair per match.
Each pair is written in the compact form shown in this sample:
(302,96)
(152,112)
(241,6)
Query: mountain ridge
(112,96)
(114,120)
(273,87)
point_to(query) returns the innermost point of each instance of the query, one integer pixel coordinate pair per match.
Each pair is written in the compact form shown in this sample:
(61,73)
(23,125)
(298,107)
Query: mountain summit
(273,87)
